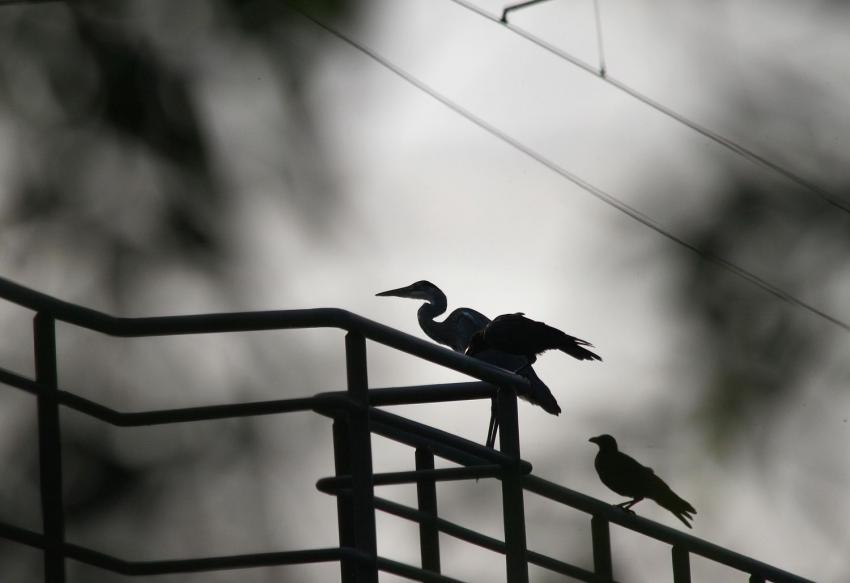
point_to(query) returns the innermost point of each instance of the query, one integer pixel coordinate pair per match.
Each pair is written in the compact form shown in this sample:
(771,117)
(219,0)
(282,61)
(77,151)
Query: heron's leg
(493,428)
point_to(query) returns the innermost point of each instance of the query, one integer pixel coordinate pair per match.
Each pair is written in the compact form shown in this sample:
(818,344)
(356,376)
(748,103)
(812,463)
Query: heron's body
(457,331)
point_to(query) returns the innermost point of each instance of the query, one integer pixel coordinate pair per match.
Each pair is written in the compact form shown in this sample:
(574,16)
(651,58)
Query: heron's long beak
(401,292)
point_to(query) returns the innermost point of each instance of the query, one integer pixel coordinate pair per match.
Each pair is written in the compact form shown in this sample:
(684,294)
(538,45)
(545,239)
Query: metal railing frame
(356,417)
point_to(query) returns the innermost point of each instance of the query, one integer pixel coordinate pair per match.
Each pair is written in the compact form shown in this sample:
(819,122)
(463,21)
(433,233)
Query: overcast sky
(419,192)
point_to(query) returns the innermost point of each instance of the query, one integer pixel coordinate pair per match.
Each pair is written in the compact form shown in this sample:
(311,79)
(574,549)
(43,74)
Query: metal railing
(356,416)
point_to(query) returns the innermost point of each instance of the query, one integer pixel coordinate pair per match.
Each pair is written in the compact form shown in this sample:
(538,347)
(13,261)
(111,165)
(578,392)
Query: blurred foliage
(759,350)
(111,144)
(111,171)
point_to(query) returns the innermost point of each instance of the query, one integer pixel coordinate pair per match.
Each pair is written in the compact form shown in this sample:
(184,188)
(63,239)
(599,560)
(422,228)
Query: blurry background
(162,158)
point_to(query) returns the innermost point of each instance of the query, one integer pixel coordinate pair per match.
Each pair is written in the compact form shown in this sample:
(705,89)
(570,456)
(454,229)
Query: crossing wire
(601,73)
(598,193)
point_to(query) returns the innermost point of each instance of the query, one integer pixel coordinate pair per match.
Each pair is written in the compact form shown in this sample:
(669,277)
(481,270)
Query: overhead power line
(598,193)
(828,197)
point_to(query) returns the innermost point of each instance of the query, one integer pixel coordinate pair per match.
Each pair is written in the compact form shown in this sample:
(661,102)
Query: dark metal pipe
(345,516)
(360,447)
(601,538)
(481,540)
(411,572)
(681,565)
(431,393)
(329,485)
(447,452)
(255,321)
(426,498)
(513,506)
(49,448)
(658,531)
(433,434)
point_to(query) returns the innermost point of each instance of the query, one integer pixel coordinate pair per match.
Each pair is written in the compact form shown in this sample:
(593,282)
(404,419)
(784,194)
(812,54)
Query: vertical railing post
(426,494)
(513,508)
(360,443)
(681,565)
(345,519)
(601,536)
(49,447)
(756,579)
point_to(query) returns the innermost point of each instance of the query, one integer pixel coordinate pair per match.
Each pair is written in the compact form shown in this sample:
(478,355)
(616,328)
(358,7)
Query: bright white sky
(428,195)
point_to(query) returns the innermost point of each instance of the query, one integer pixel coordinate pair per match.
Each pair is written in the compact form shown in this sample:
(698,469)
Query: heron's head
(605,442)
(421,290)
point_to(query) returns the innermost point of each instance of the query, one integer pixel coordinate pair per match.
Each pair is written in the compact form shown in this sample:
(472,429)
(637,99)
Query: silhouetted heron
(456,332)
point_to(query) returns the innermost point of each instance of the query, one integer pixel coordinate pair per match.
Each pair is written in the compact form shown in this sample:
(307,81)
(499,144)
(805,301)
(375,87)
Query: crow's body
(516,334)
(627,477)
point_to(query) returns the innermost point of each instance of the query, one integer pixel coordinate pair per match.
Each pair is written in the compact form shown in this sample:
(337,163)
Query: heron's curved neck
(434,306)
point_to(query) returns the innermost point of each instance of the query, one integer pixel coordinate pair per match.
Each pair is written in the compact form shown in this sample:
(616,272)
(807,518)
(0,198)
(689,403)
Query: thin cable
(727,143)
(519,6)
(599,44)
(18,2)
(581,183)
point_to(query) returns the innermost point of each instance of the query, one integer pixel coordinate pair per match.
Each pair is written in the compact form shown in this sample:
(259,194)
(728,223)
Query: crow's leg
(627,505)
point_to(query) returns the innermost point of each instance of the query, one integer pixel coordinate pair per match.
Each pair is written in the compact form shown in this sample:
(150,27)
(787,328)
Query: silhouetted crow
(516,334)
(627,477)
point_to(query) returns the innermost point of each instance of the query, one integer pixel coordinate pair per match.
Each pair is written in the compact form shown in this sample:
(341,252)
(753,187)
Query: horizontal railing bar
(441,524)
(658,531)
(481,540)
(415,440)
(417,394)
(241,561)
(333,483)
(136,568)
(563,568)
(410,572)
(256,321)
(206,412)
(13,379)
(438,435)
(421,394)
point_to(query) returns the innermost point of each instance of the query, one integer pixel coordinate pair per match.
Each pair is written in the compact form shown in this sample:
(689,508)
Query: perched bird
(456,332)
(516,334)
(627,477)
(537,394)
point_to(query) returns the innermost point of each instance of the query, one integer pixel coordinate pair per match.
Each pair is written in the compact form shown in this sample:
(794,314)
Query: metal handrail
(355,418)
(255,321)
(657,531)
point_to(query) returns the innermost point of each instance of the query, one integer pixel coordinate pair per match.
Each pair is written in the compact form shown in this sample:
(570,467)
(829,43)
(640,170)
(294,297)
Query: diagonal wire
(21,2)
(727,143)
(598,193)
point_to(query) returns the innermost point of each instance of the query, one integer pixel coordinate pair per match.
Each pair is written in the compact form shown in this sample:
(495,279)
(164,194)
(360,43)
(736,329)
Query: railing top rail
(254,321)
(657,531)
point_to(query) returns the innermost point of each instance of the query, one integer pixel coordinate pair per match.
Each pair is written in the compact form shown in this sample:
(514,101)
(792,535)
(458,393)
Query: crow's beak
(594,440)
